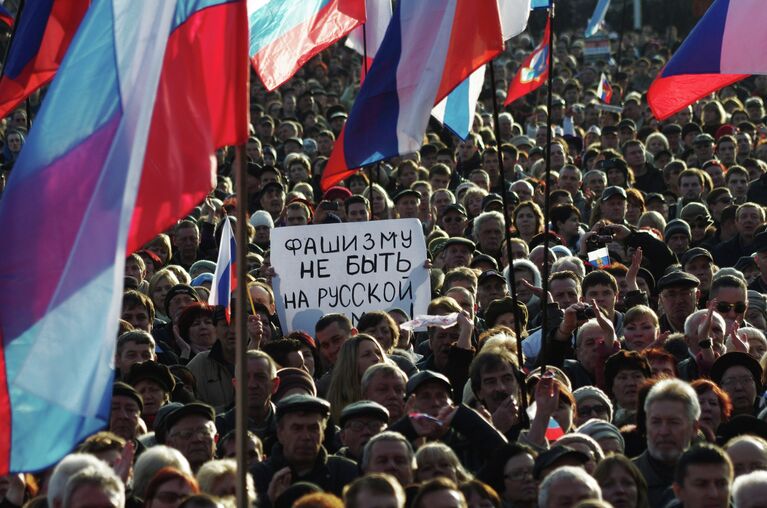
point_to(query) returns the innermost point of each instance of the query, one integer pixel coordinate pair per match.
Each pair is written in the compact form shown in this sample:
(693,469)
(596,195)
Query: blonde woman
(381,205)
(159,285)
(356,355)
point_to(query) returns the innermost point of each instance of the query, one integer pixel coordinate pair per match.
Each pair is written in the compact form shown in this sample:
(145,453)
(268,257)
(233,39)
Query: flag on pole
(726,45)
(69,205)
(534,70)
(225,276)
(43,34)
(604,90)
(378,14)
(285,34)
(5,16)
(429,48)
(597,18)
(456,111)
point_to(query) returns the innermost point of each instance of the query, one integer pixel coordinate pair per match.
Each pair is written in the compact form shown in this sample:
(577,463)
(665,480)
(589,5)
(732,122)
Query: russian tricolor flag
(604,90)
(43,34)
(430,47)
(456,111)
(117,106)
(366,39)
(726,45)
(553,431)
(285,34)
(224,279)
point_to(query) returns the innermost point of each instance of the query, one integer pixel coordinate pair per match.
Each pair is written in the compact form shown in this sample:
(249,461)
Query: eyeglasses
(519,475)
(206,432)
(590,410)
(359,426)
(169,497)
(724,307)
(735,381)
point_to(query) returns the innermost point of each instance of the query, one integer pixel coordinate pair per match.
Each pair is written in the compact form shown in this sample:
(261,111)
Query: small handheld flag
(533,72)
(604,91)
(553,431)
(224,280)
(599,258)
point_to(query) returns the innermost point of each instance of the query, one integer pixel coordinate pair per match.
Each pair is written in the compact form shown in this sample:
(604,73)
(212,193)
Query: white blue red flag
(726,45)
(377,16)
(533,71)
(225,276)
(285,34)
(118,113)
(604,90)
(430,47)
(597,18)
(456,111)
(43,33)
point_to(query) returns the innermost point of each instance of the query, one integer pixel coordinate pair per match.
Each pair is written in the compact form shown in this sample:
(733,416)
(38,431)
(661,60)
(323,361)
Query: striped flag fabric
(430,47)
(70,204)
(285,34)
(225,276)
(604,90)
(553,431)
(456,111)
(597,18)
(724,47)
(377,16)
(43,34)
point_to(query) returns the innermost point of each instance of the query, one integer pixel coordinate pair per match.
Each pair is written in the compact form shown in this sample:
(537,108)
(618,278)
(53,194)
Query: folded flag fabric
(553,431)
(604,90)
(429,48)
(43,34)
(534,70)
(597,18)
(285,34)
(724,47)
(69,205)
(225,276)
(456,111)
(5,16)
(377,16)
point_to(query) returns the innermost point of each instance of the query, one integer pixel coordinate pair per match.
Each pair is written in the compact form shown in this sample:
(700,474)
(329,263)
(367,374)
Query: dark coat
(659,478)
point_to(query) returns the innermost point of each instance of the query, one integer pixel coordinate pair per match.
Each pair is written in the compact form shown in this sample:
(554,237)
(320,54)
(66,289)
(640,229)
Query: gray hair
(593,172)
(66,469)
(212,470)
(445,191)
(744,486)
(481,219)
(525,264)
(151,461)
(101,476)
(572,263)
(387,435)
(566,473)
(385,369)
(694,320)
(676,390)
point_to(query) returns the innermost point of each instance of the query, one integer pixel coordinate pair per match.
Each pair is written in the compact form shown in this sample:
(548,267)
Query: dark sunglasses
(724,307)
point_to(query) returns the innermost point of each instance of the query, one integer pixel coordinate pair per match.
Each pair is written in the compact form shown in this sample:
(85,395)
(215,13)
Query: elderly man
(671,414)
(495,383)
(389,452)
(703,339)
(566,487)
(299,454)
(384,383)
(191,430)
(740,375)
(488,233)
(359,422)
(749,491)
(747,453)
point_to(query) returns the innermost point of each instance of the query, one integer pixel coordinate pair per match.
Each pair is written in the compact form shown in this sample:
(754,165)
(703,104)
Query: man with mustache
(672,411)
(494,381)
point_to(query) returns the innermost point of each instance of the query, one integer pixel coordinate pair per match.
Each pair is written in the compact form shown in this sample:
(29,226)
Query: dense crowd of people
(643,388)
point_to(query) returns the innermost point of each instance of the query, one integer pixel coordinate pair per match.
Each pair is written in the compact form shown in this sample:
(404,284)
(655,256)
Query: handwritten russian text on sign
(349,268)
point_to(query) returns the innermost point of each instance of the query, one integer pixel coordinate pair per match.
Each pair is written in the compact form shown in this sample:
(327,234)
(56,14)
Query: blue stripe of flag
(277,17)
(458,118)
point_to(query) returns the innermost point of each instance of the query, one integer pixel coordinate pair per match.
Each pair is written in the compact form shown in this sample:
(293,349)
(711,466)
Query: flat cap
(677,278)
(364,408)
(302,403)
(427,376)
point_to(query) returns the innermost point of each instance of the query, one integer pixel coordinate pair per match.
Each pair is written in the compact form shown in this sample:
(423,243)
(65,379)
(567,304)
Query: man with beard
(190,430)
(672,411)
(262,383)
(298,455)
(385,384)
(495,383)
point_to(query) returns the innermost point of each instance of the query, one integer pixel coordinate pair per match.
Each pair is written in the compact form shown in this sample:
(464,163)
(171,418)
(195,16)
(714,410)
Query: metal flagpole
(512,278)
(546,195)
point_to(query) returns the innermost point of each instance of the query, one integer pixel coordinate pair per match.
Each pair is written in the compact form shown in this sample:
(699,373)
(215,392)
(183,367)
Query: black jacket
(331,473)
(659,478)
